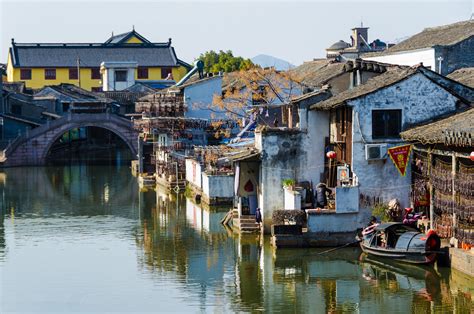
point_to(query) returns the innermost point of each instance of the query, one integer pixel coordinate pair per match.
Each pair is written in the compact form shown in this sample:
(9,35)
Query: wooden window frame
(25,74)
(50,74)
(73,74)
(95,74)
(388,116)
(165,71)
(142,73)
(120,75)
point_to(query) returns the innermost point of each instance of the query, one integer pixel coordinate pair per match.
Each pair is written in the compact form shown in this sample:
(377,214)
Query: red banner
(400,156)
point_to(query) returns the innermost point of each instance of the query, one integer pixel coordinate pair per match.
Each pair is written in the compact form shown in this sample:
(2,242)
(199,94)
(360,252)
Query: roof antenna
(133,27)
(112,33)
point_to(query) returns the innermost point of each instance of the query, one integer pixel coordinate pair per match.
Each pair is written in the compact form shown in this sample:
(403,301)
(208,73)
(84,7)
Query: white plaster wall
(347,199)
(314,141)
(292,199)
(425,56)
(334,222)
(218,185)
(283,157)
(298,156)
(108,80)
(109,83)
(193,172)
(420,100)
(198,99)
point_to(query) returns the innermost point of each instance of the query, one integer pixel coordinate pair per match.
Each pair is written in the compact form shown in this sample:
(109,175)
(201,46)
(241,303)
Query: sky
(295,31)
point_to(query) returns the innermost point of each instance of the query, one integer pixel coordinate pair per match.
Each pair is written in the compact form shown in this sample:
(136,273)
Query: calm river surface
(85,239)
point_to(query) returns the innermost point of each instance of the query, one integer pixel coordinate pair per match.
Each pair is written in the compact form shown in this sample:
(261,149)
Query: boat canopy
(411,240)
(394,225)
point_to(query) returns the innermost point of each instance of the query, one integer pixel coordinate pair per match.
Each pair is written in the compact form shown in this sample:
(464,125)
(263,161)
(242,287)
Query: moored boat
(401,242)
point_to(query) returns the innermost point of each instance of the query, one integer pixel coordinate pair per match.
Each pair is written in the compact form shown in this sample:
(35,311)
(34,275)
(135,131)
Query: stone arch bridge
(31,148)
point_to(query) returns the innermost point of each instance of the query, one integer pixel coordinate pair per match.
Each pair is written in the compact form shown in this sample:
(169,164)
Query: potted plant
(288,184)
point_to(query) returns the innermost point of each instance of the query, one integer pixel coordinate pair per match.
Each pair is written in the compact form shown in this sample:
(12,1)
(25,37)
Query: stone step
(254,225)
(244,221)
(250,230)
(247,216)
(247,219)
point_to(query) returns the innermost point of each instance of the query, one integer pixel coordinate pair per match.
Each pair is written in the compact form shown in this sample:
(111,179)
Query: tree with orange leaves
(254,92)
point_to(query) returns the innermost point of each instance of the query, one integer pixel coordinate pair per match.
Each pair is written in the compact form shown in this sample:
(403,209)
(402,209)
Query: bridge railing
(51,124)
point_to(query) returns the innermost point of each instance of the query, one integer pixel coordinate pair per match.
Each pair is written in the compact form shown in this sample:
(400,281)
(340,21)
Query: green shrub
(380,210)
(288,182)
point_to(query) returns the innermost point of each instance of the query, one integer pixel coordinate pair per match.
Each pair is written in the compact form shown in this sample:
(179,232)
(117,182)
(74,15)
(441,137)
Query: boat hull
(413,257)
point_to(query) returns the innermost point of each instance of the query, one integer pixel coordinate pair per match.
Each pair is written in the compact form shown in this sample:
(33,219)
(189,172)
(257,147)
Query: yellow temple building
(42,64)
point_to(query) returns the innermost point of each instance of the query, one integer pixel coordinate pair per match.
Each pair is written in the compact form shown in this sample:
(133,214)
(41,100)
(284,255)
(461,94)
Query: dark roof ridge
(428,73)
(76,45)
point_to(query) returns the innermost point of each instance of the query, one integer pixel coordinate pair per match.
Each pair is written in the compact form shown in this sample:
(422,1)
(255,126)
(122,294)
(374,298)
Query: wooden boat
(400,242)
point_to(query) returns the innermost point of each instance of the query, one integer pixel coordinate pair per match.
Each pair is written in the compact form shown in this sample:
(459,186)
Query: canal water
(84,238)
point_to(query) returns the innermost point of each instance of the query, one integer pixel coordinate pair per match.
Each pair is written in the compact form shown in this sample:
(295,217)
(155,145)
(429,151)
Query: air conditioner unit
(375,151)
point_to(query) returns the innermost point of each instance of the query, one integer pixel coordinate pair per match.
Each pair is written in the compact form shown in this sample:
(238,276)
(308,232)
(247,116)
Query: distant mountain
(269,61)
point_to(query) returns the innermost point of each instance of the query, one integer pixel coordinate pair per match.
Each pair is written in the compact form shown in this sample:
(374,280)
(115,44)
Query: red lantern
(331,154)
(472,156)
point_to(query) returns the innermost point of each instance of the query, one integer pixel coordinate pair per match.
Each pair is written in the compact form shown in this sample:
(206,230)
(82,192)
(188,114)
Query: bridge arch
(85,125)
(32,148)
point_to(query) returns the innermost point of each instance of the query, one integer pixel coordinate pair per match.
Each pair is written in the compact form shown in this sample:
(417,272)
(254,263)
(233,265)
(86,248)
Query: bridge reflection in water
(85,238)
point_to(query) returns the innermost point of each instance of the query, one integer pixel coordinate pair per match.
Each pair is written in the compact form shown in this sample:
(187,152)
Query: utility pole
(79,71)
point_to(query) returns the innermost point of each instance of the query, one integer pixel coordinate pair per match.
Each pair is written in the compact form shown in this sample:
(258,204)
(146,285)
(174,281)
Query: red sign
(400,156)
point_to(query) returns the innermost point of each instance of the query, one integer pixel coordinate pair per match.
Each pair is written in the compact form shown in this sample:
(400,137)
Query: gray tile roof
(464,76)
(316,73)
(445,35)
(72,93)
(435,132)
(28,55)
(393,75)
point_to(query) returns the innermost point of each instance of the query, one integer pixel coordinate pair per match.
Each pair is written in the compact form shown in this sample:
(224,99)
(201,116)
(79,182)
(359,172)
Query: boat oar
(339,247)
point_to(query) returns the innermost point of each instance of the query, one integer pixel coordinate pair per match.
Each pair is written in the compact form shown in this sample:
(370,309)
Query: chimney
(360,37)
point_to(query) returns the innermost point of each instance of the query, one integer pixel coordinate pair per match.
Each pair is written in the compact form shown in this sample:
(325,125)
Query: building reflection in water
(3,210)
(71,190)
(244,273)
(182,244)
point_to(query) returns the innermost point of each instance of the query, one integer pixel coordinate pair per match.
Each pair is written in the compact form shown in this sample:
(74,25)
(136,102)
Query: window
(96,89)
(386,123)
(25,74)
(120,75)
(49,74)
(165,72)
(73,74)
(142,73)
(95,73)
